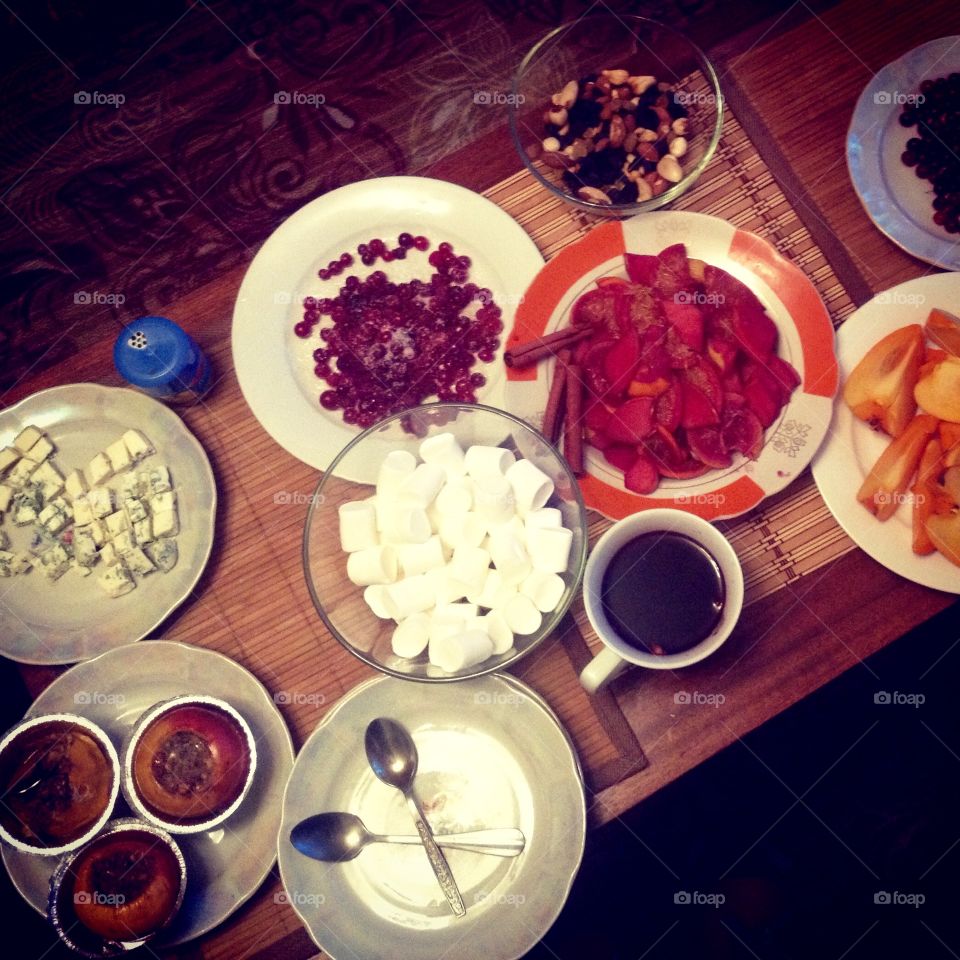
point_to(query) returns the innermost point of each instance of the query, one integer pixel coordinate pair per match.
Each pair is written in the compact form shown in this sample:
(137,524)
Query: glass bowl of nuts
(616,114)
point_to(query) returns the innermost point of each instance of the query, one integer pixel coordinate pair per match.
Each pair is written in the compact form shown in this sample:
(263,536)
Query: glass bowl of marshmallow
(445,542)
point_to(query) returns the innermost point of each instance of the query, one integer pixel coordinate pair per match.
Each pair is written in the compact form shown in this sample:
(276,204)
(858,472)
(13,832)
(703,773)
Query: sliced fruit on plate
(880,388)
(944,531)
(938,389)
(884,486)
(944,330)
(924,494)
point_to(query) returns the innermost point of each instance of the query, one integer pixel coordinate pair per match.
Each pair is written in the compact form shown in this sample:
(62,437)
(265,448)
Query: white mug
(617,654)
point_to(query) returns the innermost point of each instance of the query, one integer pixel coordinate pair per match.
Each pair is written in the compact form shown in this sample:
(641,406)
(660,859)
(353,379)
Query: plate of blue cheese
(107,509)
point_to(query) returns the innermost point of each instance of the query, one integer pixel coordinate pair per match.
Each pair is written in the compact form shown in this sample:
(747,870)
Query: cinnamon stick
(552,416)
(573,430)
(530,353)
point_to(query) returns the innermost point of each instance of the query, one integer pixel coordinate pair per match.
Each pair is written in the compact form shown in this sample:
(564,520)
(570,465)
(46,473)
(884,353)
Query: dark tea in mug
(662,592)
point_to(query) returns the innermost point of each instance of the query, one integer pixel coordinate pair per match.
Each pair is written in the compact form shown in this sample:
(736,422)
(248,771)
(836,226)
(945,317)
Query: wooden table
(255,609)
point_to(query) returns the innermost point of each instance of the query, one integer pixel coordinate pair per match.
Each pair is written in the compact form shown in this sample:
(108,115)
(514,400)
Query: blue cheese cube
(99,469)
(7,561)
(143,531)
(81,511)
(117,523)
(27,504)
(138,562)
(52,518)
(75,484)
(8,457)
(166,524)
(162,502)
(6,495)
(108,555)
(117,580)
(101,502)
(84,546)
(40,450)
(130,487)
(155,480)
(135,509)
(55,562)
(123,543)
(97,532)
(26,438)
(138,446)
(79,568)
(119,457)
(49,479)
(20,474)
(163,553)
(41,540)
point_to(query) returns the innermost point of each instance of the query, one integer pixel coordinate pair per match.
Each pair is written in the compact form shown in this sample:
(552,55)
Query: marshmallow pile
(459,548)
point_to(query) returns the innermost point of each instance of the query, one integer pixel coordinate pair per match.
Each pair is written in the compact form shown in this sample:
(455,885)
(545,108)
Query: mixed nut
(617,138)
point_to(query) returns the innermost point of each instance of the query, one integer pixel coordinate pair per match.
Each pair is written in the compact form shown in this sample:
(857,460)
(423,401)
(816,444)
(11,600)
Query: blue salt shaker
(161,359)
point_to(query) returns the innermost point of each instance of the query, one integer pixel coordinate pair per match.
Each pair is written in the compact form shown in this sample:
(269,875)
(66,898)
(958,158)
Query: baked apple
(938,389)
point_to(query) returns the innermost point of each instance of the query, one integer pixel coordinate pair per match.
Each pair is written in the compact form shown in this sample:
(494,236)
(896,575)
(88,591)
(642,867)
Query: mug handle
(603,668)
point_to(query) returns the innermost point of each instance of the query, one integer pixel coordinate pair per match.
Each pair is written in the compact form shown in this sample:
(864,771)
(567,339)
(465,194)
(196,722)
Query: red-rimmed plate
(806,341)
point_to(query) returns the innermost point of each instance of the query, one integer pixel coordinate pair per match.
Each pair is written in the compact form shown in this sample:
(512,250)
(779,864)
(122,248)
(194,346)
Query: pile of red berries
(391,346)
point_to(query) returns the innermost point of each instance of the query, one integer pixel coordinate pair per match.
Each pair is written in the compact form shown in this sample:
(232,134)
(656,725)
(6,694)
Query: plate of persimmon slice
(890,468)
(678,361)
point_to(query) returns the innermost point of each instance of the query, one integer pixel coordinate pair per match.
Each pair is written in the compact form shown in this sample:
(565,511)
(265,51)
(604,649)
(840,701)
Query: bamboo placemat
(790,534)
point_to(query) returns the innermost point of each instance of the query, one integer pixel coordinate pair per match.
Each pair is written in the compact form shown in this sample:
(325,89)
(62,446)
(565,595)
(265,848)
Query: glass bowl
(643,48)
(352,477)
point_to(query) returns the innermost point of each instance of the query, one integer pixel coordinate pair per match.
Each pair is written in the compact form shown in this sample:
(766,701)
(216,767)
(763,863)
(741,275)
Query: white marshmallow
(376,600)
(396,467)
(443,449)
(495,592)
(532,488)
(469,566)
(509,555)
(420,557)
(481,461)
(455,497)
(546,517)
(465,649)
(521,615)
(404,523)
(549,548)
(411,636)
(494,498)
(445,588)
(456,611)
(494,625)
(460,529)
(544,589)
(375,565)
(409,596)
(424,483)
(358,525)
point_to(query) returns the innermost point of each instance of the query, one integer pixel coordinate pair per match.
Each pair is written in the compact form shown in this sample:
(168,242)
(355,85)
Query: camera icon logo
(281,97)
(681,897)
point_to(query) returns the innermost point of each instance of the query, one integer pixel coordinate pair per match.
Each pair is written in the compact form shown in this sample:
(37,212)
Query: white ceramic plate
(852,447)
(275,367)
(72,618)
(226,865)
(895,199)
(791,300)
(492,754)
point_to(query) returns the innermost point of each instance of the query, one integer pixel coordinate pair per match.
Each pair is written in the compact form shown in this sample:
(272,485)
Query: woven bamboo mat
(792,533)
